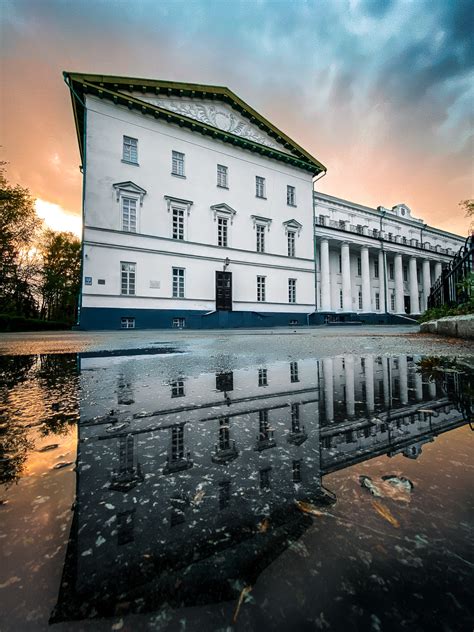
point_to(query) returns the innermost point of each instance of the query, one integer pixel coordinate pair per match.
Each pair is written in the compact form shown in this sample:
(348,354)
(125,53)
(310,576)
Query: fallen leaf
(309,509)
(263,526)
(198,497)
(385,513)
(243,593)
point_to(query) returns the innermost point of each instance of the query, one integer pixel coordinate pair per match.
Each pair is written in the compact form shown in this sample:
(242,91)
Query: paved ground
(277,343)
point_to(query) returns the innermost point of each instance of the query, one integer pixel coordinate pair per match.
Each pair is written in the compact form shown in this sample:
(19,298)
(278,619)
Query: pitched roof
(122,91)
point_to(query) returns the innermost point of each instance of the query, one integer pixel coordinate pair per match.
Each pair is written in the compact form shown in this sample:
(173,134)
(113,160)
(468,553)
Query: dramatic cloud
(380,92)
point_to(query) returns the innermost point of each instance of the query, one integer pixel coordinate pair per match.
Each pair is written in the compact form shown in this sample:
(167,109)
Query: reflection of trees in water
(456,379)
(37,393)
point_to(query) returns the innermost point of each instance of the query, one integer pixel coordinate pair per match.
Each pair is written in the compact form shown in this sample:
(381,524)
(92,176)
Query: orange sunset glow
(390,116)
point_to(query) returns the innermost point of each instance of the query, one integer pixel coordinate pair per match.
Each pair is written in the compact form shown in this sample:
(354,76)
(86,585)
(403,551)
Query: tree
(60,276)
(468,208)
(19,229)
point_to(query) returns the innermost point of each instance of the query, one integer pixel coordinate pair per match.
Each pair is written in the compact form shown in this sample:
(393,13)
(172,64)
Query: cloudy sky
(381,92)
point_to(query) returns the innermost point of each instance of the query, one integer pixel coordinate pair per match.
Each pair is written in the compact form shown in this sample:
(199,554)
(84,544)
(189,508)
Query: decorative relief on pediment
(217,115)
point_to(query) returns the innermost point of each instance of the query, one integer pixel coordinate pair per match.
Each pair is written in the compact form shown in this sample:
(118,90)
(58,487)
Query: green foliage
(19,228)
(9,322)
(60,276)
(448,310)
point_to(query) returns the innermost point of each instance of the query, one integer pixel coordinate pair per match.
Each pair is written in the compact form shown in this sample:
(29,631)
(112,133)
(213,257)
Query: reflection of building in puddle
(193,481)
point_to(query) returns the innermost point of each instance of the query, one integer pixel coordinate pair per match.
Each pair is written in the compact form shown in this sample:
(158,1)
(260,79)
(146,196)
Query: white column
(438,268)
(418,384)
(324,276)
(403,379)
(350,395)
(381,281)
(366,300)
(426,283)
(328,374)
(432,389)
(346,278)
(399,300)
(369,383)
(386,381)
(414,300)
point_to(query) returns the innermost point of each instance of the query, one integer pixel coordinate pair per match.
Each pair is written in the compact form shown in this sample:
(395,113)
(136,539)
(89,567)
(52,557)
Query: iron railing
(454,286)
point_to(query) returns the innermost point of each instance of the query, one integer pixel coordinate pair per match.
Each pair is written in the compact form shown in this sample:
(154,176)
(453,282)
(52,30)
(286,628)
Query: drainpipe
(315,251)
(384,258)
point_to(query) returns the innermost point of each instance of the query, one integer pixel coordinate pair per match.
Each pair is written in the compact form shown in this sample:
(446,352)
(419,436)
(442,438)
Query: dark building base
(94,318)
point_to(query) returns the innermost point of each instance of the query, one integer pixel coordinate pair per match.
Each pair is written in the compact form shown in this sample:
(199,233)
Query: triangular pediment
(213,111)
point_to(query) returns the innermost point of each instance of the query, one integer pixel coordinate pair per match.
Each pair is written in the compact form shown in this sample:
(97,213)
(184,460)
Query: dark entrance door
(224,291)
(407,305)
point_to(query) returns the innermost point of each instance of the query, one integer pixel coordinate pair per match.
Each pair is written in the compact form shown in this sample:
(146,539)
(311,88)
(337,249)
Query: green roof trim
(112,88)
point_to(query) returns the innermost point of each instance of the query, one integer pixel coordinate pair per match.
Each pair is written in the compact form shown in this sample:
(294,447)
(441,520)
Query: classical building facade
(197,211)
(373,263)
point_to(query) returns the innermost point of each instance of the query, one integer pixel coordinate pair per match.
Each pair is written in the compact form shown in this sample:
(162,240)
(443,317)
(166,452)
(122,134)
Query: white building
(374,262)
(197,211)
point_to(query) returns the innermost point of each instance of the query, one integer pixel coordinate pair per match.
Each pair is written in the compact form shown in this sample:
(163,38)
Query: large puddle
(148,492)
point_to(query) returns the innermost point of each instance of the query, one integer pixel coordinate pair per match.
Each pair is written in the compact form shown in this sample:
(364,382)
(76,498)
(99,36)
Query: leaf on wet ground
(243,594)
(263,525)
(367,482)
(199,496)
(309,508)
(47,448)
(385,512)
(62,464)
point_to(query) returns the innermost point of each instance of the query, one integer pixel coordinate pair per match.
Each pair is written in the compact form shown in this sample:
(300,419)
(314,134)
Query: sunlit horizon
(56,218)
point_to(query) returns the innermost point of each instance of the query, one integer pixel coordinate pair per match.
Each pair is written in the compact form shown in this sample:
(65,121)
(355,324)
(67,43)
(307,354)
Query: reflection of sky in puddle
(195,486)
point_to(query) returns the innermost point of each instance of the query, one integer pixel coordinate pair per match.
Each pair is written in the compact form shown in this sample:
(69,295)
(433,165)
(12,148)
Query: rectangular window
(130,149)
(290,195)
(291,244)
(177,388)
(262,377)
(342,224)
(224,494)
(297,471)
(359,229)
(392,302)
(127,322)
(261,289)
(178,282)
(179,323)
(260,230)
(375,233)
(127,271)
(377,301)
(359,267)
(390,271)
(291,290)
(129,215)
(360,299)
(177,163)
(178,223)
(222,231)
(265,480)
(322,220)
(341,299)
(294,377)
(259,186)
(376,268)
(222,177)
(404,240)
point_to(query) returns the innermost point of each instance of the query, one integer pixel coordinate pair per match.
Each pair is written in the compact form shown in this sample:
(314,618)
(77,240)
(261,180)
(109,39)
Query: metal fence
(455,285)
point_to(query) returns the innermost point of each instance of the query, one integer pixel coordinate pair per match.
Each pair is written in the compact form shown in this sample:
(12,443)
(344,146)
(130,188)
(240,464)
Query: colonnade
(366,306)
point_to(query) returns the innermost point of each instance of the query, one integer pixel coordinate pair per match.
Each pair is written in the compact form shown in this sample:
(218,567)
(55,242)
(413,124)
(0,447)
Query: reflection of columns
(350,397)
(346,278)
(426,283)
(438,268)
(325,279)
(414,301)
(328,374)
(403,379)
(382,281)
(369,383)
(399,300)
(418,386)
(366,300)
(432,389)
(386,382)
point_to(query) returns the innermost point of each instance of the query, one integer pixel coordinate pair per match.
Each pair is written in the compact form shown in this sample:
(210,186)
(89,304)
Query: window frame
(222,176)
(290,195)
(261,288)
(291,243)
(129,198)
(292,291)
(222,231)
(128,278)
(127,322)
(178,286)
(260,230)
(178,158)
(180,215)
(130,147)
(260,187)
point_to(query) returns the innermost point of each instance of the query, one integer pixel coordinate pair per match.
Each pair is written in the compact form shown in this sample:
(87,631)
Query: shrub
(18,323)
